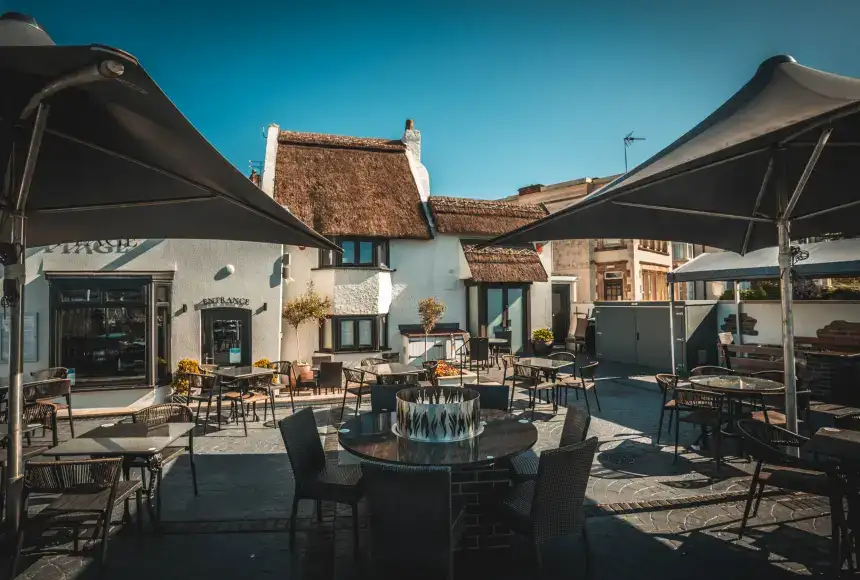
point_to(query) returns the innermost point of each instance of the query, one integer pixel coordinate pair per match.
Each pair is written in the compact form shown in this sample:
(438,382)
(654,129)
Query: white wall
(809,317)
(199,273)
(541,294)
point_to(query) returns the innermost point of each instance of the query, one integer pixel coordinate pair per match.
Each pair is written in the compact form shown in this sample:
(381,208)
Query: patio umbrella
(91,148)
(778,159)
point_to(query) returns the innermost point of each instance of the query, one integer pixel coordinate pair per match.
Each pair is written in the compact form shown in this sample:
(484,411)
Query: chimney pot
(410,124)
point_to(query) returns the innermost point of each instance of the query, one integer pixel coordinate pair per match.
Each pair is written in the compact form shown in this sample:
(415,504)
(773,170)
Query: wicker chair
(711,370)
(550,506)
(159,415)
(667,383)
(492,396)
(315,478)
(586,382)
(408,527)
(50,373)
(89,491)
(702,408)
(525,465)
(776,468)
(208,389)
(42,414)
(355,386)
(48,390)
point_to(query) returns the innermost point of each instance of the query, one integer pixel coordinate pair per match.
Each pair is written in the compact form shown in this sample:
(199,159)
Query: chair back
(567,468)
(589,371)
(506,334)
(46,389)
(575,429)
(203,382)
(430,371)
(581,328)
(493,396)
(777,376)
(317,361)
(50,373)
(698,399)
(526,372)
(353,376)
(302,441)
(666,382)
(164,413)
(763,441)
(567,356)
(384,397)
(410,521)
(368,362)
(711,370)
(82,476)
(479,349)
(331,374)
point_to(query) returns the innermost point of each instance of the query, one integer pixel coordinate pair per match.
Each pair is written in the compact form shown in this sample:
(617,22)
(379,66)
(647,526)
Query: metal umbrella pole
(672,327)
(15,270)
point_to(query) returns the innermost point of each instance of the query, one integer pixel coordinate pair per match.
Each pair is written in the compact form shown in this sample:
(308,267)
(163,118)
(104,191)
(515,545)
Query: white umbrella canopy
(778,159)
(91,148)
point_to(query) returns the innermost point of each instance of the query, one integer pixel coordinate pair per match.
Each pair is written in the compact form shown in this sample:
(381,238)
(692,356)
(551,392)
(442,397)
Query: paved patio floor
(649,516)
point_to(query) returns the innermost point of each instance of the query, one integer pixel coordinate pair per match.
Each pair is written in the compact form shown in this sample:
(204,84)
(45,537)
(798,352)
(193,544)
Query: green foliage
(180,382)
(542,335)
(430,312)
(308,307)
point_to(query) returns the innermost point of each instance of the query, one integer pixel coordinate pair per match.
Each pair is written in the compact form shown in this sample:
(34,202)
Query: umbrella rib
(824,211)
(121,205)
(768,172)
(807,172)
(694,212)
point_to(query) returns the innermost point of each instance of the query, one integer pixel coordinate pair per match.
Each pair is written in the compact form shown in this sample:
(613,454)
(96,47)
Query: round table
(369,436)
(737,385)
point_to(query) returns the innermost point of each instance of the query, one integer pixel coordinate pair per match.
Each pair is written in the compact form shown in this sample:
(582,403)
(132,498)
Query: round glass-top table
(737,385)
(369,436)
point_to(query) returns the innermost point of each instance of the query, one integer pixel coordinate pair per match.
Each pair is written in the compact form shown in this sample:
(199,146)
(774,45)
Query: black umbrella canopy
(119,160)
(768,128)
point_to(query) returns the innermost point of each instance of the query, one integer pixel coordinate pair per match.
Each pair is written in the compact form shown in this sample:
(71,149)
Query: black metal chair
(160,415)
(415,525)
(208,390)
(317,479)
(237,392)
(667,384)
(536,384)
(575,429)
(550,506)
(502,349)
(384,397)
(711,370)
(493,396)
(569,371)
(703,408)
(354,385)
(429,367)
(586,382)
(89,489)
(284,368)
(775,467)
(330,376)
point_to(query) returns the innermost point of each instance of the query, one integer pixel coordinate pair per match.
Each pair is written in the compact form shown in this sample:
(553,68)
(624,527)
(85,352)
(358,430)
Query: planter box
(468,377)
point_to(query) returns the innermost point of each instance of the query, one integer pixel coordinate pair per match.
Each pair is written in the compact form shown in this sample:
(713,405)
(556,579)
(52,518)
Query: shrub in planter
(181,383)
(265,363)
(542,341)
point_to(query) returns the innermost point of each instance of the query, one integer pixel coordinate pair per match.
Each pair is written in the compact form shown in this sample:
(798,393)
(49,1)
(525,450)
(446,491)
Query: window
(681,251)
(607,243)
(366,252)
(612,289)
(354,333)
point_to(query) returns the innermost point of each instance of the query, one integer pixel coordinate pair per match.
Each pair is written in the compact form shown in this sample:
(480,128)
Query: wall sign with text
(225,302)
(94,246)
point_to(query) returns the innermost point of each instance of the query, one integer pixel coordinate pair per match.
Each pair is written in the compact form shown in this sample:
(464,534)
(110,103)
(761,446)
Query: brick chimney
(531,189)
(412,140)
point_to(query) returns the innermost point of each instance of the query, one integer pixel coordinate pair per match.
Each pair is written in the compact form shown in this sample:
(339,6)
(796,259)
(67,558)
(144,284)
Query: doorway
(226,336)
(505,307)
(560,312)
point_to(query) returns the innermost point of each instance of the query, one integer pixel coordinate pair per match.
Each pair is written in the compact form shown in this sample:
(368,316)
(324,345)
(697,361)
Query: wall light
(230,268)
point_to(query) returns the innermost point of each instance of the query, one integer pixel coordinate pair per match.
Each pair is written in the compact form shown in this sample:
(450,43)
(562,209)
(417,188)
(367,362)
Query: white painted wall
(198,267)
(541,294)
(809,317)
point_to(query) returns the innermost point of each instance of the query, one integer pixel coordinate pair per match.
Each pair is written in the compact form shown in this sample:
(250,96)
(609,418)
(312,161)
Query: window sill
(610,248)
(653,251)
(373,268)
(359,351)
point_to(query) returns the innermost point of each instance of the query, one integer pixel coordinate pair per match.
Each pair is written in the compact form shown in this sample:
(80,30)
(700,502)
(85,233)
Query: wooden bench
(750,358)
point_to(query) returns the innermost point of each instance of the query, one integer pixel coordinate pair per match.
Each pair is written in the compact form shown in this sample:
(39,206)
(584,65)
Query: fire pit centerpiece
(438,415)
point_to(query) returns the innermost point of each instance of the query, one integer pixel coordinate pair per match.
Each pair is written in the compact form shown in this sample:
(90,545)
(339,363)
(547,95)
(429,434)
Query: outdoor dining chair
(580,332)
(204,388)
(384,397)
(776,467)
(667,384)
(284,371)
(492,396)
(569,371)
(536,384)
(315,478)
(429,373)
(711,370)
(159,415)
(354,385)
(415,525)
(42,414)
(702,408)
(50,373)
(575,429)
(330,376)
(48,389)
(550,506)
(586,382)
(87,492)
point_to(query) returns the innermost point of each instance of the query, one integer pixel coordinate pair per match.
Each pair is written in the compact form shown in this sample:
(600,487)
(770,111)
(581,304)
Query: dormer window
(357,253)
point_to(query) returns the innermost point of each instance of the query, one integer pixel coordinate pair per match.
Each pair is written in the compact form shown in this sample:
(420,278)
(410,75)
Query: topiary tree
(305,308)
(430,312)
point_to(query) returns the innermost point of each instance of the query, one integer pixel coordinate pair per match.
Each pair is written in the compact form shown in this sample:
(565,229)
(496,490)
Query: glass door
(495,310)
(503,307)
(515,305)
(227,336)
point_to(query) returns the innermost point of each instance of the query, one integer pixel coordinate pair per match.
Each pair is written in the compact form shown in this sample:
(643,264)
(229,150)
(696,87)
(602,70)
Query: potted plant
(265,363)
(308,307)
(542,341)
(430,312)
(181,384)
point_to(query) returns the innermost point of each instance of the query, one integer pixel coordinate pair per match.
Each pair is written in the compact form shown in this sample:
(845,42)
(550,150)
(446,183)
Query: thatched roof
(504,264)
(349,186)
(457,215)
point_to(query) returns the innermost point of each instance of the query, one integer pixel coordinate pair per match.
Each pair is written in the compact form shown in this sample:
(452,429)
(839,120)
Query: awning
(498,264)
(833,258)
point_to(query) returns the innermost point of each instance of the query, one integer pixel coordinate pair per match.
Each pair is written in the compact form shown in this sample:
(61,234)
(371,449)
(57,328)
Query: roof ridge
(339,141)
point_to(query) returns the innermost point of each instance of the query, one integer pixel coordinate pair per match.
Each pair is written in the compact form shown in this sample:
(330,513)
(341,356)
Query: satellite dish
(18,29)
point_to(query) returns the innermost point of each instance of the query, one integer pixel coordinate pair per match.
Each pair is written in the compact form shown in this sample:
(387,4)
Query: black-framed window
(357,253)
(354,333)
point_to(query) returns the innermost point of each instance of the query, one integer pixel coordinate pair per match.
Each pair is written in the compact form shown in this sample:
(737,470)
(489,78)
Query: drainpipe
(737,289)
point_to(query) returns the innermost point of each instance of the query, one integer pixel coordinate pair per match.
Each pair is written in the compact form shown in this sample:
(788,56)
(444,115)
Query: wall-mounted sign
(235,356)
(224,302)
(94,246)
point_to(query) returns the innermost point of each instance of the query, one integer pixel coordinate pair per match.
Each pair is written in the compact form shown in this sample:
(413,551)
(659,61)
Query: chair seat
(574,383)
(773,417)
(125,488)
(670,404)
(356,390)
(565,376)
(232,395)
(525,465)
(335,483)
(517,506)
(256,398)
(705,417)
(73,507)
(204,396)
(795,479)
(543,386)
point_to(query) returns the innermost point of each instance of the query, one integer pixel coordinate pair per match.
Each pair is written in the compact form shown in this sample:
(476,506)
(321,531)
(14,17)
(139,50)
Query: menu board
(31,337)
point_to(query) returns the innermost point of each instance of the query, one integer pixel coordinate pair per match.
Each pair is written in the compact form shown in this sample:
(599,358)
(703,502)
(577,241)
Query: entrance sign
(235,355)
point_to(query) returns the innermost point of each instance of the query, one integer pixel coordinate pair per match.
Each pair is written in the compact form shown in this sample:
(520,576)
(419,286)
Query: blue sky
(506,93)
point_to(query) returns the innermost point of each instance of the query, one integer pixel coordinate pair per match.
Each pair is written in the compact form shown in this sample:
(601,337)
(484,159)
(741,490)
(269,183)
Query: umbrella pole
(787,326)
(672,327)
(17,272)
